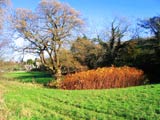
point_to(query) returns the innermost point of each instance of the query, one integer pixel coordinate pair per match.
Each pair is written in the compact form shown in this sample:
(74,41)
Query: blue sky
(98,11)
(105,8)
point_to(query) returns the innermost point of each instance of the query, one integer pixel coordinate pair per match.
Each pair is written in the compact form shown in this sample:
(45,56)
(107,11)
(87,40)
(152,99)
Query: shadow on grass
(33,77)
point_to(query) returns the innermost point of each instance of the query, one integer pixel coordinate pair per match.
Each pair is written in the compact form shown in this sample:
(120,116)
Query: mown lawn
(26,101)
(34,77)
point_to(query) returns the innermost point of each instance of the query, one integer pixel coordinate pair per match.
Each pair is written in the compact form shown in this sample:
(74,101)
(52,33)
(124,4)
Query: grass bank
(25,101)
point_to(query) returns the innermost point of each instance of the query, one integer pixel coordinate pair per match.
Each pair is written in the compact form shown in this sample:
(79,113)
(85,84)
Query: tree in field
(3,4)
(110,48)
(68,62)
(86,52)
(47,29)
(3,42)
(153,24)
(2,45)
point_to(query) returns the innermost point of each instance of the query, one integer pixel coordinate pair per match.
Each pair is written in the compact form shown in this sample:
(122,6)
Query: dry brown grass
(3,108)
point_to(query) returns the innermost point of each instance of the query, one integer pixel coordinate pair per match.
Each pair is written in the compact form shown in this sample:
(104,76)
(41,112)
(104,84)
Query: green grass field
(34,77)
(26,101)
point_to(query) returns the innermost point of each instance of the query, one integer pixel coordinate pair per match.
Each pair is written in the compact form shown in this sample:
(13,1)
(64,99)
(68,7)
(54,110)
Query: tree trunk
(58,77)
(58,74)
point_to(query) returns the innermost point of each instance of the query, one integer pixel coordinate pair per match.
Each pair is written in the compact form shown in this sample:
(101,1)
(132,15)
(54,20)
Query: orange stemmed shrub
(102,78)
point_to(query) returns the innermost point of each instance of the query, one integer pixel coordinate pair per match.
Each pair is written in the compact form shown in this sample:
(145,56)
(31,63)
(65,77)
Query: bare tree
(152,24)
(3,42)
(3,4)
(114,37)
(47,29)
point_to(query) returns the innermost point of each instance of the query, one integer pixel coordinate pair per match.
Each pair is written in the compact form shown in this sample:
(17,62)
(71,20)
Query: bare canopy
(47,29)
(3,5)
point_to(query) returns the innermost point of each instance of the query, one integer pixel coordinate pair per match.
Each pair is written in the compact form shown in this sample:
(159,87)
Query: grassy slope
(31,102)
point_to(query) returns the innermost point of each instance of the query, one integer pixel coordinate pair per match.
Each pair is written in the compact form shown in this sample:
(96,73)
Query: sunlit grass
(31,102)
(34,77)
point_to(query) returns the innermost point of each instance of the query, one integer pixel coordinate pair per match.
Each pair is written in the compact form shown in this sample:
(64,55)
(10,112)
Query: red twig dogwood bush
(102,78)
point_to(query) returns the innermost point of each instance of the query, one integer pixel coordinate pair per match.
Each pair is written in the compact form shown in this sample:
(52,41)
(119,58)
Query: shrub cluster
(102,78)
